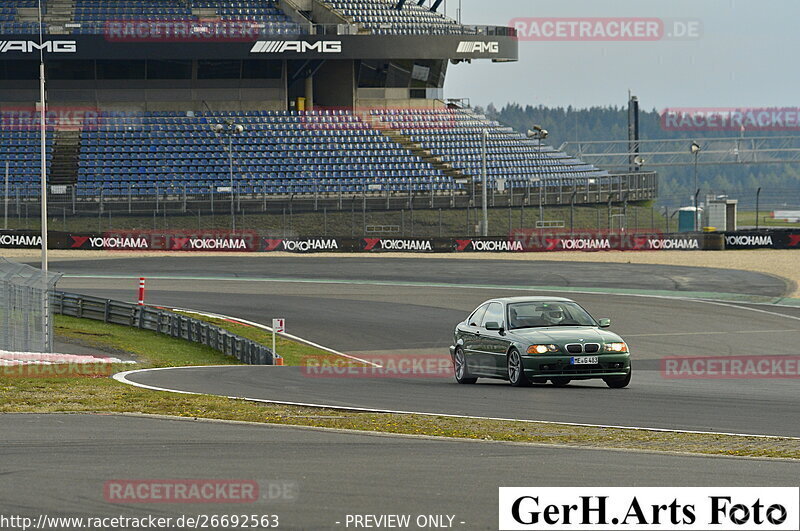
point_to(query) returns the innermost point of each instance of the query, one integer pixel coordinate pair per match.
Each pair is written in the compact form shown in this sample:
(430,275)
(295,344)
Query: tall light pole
(484,184)
(5,200)
(230,129)
(539,133)
(695,150)
(758,205)
(46,326)
(43,132)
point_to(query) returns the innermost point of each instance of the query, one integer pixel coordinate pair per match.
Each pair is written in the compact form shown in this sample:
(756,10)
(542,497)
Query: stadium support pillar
(310,93)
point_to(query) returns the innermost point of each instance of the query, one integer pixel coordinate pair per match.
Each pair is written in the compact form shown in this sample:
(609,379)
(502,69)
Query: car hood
(565,334)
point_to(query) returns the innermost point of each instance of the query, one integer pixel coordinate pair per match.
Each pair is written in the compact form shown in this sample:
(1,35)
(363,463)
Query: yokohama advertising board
(520,240)
(205,241)
(537,240)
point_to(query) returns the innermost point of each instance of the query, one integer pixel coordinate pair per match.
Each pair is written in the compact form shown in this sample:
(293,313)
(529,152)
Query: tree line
(780,183)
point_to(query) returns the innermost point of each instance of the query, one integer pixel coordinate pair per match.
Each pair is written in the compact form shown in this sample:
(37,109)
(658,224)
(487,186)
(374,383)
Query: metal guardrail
(163,322)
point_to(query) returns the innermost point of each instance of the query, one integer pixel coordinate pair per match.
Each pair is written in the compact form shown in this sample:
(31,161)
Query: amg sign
(33,46)
(297,47)
(478,47)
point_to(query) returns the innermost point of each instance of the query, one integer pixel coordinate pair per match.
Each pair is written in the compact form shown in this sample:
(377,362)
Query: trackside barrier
(163,322)
(763,239)
(519,240)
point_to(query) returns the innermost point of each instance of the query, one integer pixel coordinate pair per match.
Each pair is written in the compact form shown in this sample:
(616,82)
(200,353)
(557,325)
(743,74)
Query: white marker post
(278,327)
(141,291)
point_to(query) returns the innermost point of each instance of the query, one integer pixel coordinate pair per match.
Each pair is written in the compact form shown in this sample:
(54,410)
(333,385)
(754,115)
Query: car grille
(567,369)
(581,369)
(578,348)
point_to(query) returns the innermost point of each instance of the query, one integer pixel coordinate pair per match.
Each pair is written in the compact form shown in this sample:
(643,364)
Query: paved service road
(58,464)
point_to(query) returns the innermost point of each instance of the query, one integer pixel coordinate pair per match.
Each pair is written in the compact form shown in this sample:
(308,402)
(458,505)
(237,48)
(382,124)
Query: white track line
(122,377)
(284,334)
(729,305)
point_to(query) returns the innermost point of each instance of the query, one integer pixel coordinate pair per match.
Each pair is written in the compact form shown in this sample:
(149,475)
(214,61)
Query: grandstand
(383,18)
(333,97)
(283,152)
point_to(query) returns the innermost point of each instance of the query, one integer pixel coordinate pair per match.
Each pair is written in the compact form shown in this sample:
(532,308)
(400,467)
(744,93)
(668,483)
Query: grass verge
(150,348)
(104,395)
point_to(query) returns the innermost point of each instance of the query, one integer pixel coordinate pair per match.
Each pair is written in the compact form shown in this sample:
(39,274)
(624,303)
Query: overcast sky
(746,56)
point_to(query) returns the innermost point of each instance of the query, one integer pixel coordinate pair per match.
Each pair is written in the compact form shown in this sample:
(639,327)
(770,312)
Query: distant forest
(780,183)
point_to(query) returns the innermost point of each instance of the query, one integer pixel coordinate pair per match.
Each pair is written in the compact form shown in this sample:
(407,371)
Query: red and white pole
(141,292)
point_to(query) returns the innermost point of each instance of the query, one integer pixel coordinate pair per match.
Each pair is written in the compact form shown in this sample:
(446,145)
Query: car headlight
(616,347)
(542,349)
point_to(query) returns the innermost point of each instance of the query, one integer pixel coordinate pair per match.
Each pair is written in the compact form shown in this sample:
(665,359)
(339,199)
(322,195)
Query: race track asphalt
(461,271)
(58,465)
(365,306)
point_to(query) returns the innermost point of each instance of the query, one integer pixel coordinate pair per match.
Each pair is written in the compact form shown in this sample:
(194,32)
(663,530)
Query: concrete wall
(393,98)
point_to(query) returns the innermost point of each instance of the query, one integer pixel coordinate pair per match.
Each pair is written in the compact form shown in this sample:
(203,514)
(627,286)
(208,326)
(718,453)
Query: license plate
(584,360)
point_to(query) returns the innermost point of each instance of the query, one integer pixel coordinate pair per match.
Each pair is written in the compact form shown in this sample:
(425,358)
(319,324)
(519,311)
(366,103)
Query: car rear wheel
(619,383)
(460,368)
(560,382)
(516,373)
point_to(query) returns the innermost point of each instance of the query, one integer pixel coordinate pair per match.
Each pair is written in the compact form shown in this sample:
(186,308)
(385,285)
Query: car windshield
(541,314)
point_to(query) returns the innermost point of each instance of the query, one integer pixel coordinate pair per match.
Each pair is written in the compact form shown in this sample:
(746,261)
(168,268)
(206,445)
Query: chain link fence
(550,203)
(25,313)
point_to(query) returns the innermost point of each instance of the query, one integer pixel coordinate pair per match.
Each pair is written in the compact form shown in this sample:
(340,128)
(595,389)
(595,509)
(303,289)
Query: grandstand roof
(236,29)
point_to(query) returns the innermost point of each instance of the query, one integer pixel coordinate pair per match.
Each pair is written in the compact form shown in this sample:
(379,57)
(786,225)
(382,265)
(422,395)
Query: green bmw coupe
(535,339)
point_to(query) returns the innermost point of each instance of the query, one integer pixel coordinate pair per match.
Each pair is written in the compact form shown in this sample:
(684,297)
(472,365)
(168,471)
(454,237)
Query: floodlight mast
(484,184)
(230,129)
(43,132)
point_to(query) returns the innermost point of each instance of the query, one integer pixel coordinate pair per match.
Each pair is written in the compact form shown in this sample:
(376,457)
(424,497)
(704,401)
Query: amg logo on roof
(297,47)
(478,47)
(32,46)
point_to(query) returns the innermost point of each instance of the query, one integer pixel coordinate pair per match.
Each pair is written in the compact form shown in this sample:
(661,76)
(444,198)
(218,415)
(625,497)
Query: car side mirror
(491,325)
(604,323)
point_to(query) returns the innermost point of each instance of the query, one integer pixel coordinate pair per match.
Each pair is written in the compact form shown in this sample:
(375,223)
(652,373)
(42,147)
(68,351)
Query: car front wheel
(619,383)
(560,382)
(516,372)
(460,367)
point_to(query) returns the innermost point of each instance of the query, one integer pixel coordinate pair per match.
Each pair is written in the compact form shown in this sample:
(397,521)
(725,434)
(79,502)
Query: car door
(469,333)
(494,344)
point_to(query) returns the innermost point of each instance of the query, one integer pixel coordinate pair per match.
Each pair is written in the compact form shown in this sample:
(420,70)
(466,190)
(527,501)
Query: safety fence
(164,322)
(24,310)
(180,198)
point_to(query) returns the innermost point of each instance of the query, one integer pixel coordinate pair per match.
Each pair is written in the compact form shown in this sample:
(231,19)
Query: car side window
(494,313)
(477,316)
